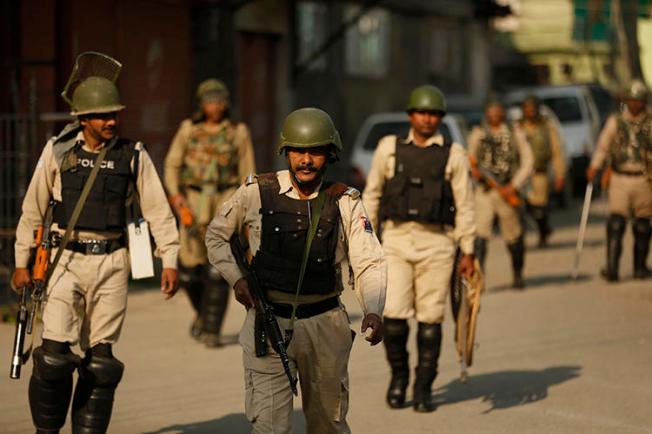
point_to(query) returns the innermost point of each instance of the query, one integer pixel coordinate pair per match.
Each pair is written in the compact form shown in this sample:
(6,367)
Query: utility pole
(625,20)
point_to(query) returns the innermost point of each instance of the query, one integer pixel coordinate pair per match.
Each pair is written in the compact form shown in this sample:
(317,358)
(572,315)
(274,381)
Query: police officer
(500,150)
(86,298)
(420,190)
(278,209)
(208,159)
(543,136)
(626,140)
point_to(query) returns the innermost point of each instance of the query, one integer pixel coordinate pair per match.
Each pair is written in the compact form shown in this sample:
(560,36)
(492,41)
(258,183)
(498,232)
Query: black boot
(189,280)
(429,346)
(214,304)
(615,232)
(540,214)
(395,336)
(92,404)
(642,232)
(480,250)
(517,250)
(50,387)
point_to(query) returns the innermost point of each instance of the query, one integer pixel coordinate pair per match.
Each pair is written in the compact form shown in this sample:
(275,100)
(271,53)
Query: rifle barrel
(19,338)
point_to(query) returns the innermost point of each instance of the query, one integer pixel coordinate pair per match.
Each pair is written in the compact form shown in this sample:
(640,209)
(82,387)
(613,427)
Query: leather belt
(219,187)
(305,310)
(94,247)
(636,173)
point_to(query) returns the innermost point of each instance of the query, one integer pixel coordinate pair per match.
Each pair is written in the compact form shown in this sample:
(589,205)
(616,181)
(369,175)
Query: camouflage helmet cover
(212,89)
(426,97)
(309,128)
(95,95)
(532,99)
(636,90)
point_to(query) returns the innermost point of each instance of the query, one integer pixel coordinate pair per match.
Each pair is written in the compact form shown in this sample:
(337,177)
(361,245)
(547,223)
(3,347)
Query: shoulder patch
(353,192)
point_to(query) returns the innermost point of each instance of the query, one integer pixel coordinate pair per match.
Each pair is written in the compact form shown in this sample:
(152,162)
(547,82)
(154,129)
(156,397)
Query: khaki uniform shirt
(357,244)
(46,184)
(383,167)
(606,138)
(526,159)
(556,149)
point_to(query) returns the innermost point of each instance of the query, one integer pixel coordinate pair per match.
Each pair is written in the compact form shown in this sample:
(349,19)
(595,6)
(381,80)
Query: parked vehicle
(377,126)
(581,110)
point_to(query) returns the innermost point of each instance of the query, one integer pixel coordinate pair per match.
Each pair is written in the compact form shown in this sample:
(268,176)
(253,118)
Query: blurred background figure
(501,161)
(626,142)
(209,157)
(544,139)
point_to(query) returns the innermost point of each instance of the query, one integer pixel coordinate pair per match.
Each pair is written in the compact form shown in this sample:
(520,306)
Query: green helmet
(427,97)
(310,128)
(636,90)
(212,88)
(95,95)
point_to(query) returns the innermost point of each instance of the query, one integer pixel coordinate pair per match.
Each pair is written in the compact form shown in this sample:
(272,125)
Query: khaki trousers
(419,266)
(540,189)
(630,196)
(319,351)
(204,206)
(488,204)
(86,299)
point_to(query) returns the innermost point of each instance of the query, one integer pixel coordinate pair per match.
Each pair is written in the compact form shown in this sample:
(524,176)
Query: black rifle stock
(272,329)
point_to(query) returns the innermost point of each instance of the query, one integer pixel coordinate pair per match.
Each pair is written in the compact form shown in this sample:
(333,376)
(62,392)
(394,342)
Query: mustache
(309,167)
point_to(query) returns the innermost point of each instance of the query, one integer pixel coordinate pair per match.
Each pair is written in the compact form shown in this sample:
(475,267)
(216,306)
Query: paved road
(559,357)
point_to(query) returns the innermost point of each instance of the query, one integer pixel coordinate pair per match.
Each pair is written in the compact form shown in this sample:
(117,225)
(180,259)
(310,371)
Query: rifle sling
(78,208)
(314,222)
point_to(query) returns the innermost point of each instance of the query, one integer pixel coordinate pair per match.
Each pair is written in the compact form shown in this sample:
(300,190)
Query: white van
(377,126)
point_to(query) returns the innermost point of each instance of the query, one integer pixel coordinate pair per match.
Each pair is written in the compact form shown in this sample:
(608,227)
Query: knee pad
(429,331)
(212,274)
(429,345)
(54,361)
(642,227)
(92,405)
(186,276)
(616,223)
(395,327)
(50,386)
(101,368)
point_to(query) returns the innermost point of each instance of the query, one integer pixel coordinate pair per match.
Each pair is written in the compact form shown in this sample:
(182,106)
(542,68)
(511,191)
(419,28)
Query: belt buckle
(93,248)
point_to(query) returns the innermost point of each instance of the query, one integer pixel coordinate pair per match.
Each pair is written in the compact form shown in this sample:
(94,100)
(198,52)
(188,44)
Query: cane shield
(465,302)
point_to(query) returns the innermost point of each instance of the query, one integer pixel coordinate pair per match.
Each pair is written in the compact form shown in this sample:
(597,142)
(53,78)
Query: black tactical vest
(419,190)
(285,224)
(632,143)
(105,207)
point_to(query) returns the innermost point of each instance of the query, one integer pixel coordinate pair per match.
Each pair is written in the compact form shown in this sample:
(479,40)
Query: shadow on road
(506,389)
(570,244)
(543,280)
(235,423)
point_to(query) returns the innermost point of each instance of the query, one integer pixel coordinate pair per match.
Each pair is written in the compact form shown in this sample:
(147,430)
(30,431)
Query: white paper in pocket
(140,250)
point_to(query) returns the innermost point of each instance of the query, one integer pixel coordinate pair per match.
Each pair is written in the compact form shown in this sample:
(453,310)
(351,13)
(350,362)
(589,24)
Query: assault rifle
(269,323)
(490,180)
(25,320)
